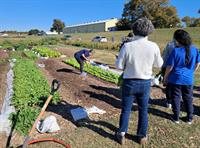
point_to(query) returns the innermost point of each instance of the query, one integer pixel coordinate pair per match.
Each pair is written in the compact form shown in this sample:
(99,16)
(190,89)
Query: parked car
(67,37)
(99,39)
(41,33)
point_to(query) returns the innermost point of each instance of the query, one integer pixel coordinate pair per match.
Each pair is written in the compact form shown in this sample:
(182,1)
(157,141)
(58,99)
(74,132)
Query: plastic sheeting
(105,67)
(7,109)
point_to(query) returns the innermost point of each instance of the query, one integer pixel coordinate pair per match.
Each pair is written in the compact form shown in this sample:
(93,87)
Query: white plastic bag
(95,110)
(48,125)
(155,81)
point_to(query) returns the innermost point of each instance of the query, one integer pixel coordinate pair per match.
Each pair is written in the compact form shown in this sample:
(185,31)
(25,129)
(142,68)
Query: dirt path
(78,91)
(4,67)
(83,91)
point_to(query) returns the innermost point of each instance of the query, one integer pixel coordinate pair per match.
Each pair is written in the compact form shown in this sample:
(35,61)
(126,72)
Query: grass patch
(93,45)
(160,36)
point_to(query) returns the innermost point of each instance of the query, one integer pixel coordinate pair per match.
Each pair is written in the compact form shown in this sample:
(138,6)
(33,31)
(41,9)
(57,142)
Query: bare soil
(4,67)
(77,91)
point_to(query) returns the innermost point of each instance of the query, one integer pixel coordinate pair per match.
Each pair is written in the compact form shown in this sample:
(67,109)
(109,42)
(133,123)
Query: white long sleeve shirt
(137,58)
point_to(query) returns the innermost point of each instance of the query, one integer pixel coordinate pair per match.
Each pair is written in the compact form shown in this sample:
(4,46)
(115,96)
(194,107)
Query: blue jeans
(186,91)
(140,90)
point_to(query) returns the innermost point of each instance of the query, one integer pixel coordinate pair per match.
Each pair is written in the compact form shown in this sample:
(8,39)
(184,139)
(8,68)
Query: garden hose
(49,139)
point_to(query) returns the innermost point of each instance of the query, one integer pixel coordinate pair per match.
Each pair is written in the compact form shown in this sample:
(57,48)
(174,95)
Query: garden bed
(96,71)
(30,91)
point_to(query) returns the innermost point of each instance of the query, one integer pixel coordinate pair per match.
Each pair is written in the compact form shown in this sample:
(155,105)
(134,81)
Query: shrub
(7,44)
(21,45)
(49,41)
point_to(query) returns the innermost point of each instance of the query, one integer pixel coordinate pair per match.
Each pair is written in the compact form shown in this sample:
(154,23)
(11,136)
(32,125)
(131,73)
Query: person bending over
(82,56)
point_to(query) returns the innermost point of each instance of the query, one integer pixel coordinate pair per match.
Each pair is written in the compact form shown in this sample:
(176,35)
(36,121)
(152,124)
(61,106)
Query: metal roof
(90,23)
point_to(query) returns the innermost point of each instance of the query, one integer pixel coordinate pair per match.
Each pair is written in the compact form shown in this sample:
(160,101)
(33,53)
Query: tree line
(159,12)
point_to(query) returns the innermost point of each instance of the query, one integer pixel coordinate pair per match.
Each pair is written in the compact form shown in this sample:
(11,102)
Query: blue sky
(23,15)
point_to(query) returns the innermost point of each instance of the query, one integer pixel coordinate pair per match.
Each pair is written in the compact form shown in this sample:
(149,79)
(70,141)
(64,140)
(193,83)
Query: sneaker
(189,122)
(143,141)
(175,121)
(120,138)
(83,74)
(169,106)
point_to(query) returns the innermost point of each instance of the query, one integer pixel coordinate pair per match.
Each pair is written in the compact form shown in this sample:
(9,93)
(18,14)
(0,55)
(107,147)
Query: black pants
(81,63)
(186,91)
(168,94)
(168,88)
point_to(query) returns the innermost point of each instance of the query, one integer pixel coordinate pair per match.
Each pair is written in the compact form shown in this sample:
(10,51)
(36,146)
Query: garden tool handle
(55,86)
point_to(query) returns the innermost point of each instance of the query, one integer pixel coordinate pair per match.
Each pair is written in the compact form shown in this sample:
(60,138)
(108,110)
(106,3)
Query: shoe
(169,106)
(189,122)
(174,120)
(83,74)
(120,138)
(143,141)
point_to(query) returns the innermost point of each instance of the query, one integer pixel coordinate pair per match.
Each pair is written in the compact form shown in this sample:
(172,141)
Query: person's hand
(88,62)
(164,82)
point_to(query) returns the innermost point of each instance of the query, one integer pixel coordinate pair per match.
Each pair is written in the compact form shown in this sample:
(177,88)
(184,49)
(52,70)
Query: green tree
(159,11)
(33,32)
(187,20)
(57,26)
(195,22)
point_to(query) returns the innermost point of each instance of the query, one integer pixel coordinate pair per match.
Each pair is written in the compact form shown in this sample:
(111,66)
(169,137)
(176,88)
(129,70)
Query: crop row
(27,43)
(96,71)
(30,90)
(46,52)
(30,54)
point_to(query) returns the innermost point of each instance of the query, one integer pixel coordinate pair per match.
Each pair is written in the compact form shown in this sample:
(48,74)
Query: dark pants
(186,91)
(81,63)
(168,88)
(168,93)
(139,90)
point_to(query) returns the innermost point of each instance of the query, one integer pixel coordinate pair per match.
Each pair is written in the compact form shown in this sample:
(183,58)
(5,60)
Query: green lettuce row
(46,52)
(96,71)
(31,89)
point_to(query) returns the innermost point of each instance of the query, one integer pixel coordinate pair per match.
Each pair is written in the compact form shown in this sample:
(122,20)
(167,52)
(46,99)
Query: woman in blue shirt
(179,74)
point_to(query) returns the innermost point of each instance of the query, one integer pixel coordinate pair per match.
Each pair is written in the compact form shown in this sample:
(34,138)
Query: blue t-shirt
(78,55)
(181,73)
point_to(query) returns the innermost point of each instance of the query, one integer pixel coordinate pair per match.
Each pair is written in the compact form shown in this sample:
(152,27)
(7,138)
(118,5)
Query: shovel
(54,87)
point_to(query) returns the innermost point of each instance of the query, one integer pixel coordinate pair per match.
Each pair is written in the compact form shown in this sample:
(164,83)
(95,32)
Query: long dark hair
(183,38)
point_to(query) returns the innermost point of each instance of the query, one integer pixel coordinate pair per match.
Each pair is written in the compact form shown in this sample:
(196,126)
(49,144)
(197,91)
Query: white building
(97,26)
